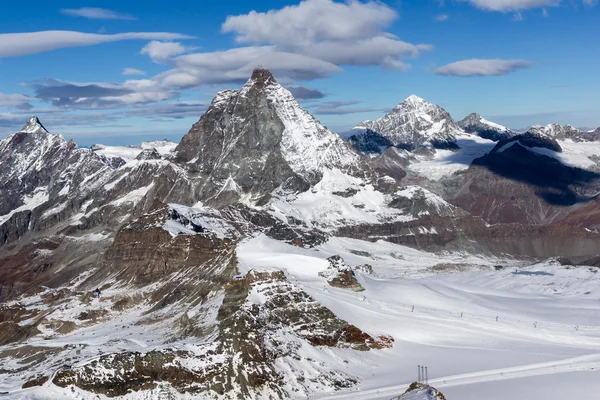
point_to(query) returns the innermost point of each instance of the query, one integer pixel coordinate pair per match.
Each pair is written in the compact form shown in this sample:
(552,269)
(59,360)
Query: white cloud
(348,33)
(236,65)
(518,5)
(95,13)
(132,71)
(311,21)
(441,17)
(15,100)
(479,67)
(20,44)
(160,52)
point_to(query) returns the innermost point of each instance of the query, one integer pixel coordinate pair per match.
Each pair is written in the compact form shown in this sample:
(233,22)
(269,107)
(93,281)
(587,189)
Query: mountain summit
(253,140)
(33,125)
(476,124)
(416,123)
(263,77)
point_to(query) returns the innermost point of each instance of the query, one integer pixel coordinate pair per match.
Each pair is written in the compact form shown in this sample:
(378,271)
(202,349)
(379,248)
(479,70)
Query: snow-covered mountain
(476,124)
(264,257)
(415,123)
(566,132)
(256,139)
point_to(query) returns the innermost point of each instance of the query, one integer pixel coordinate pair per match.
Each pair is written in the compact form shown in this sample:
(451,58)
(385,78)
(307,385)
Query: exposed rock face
(367,141)
(420,391)
(142,254)
(514,183)
(241,362)
(340,274)
(476,124)
(415,123)
(257,139)
(468,233)
(392,162)
(532,138)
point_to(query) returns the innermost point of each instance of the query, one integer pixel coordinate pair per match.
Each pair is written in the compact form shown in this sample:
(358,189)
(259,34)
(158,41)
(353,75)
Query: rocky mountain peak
(476,124)
(262,77)
(473,117)
(33,125)
(258,138)
(416,123)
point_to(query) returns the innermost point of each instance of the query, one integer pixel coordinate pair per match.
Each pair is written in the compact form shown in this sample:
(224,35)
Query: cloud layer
(482,67)
(20,44)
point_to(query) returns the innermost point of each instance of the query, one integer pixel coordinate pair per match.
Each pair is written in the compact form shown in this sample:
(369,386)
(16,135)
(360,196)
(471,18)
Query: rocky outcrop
(340,275)
(242,360)
(420,391)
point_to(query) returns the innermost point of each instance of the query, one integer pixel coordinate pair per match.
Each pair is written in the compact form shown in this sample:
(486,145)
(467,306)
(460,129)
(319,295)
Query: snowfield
(547,330)
(491,329)
(447,162)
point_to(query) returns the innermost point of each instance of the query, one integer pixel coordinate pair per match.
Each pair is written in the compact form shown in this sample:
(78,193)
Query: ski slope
(547,329)
(514,332)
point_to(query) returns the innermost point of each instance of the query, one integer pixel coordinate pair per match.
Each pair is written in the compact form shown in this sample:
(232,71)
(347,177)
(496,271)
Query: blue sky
(123,72)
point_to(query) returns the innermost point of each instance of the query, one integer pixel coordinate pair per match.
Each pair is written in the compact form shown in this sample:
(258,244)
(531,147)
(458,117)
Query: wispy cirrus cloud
(21,44)
(341,108)
(519,5)
(482,67)
(96,13)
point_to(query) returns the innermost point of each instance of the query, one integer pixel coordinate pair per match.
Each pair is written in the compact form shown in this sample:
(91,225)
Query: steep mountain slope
(256,139)
(414,123)
(523,179)
(476,124)
(41,171)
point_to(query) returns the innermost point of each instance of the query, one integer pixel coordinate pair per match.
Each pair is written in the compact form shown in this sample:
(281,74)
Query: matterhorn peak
(33,125)
(262,77)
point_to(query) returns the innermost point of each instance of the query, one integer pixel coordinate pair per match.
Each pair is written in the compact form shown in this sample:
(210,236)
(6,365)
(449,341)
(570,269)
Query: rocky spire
(33,125)
(262,77)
